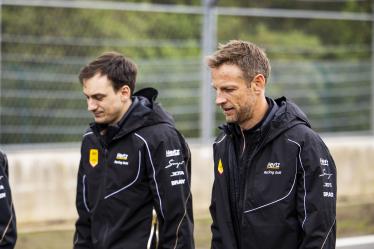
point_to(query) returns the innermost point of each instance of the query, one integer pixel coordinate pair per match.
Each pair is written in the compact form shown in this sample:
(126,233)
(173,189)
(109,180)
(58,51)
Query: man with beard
(275,180)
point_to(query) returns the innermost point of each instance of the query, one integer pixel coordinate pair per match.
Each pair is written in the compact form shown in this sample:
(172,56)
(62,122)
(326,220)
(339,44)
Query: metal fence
(41,99)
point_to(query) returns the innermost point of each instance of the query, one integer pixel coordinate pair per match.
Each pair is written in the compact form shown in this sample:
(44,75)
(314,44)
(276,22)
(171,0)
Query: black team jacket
(143,163)
(279,191)
(8,229)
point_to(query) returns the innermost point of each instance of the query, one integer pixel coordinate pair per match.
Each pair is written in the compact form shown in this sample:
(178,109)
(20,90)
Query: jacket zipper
(252,170)
(243,142)
(104,162)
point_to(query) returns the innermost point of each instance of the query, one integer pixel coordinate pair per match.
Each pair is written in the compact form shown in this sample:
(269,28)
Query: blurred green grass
(63,239)
(45,240)
(352,220)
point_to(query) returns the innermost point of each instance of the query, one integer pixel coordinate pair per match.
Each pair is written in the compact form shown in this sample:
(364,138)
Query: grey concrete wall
(354,157)
(43,180)
(43,183)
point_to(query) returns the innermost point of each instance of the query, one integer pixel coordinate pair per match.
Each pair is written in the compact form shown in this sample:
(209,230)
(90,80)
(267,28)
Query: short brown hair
(251,59)
(119,70)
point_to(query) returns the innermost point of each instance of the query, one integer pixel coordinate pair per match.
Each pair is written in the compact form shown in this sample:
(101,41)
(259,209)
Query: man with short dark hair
(8,228)
(133,160)
(275,180)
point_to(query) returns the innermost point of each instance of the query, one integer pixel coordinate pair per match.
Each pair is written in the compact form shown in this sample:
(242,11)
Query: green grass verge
(45,240)
(351,221)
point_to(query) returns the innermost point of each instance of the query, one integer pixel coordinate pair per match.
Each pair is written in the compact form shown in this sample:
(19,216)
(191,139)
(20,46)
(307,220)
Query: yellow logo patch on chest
(94,157)
(220,167)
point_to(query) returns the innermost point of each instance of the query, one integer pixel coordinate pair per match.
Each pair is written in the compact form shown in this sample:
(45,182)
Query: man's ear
(125,92)
(259,83)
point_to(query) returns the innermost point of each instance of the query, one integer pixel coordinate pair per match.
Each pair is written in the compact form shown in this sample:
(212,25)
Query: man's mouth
(227,110)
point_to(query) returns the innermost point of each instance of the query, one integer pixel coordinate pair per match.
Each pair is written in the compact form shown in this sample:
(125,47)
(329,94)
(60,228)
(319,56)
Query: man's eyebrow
(95,95)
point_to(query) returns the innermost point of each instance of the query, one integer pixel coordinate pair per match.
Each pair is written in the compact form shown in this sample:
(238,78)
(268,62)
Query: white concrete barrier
(354,157)
(43,183)
(43,180)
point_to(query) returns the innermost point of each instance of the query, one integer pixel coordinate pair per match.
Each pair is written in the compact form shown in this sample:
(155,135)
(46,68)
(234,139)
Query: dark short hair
(119,70)
(251,59)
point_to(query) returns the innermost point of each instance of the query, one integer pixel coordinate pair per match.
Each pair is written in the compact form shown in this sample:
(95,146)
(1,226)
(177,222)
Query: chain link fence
(44,47)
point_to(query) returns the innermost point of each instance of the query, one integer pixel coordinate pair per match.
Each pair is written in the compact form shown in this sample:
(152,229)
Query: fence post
(207,113)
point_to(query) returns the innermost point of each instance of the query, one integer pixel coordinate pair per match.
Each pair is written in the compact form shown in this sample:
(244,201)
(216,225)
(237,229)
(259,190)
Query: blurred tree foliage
(99,28)
(43,49)
(151,30)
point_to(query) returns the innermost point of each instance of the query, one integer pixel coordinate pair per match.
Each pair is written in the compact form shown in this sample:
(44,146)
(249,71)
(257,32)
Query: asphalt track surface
(362,242)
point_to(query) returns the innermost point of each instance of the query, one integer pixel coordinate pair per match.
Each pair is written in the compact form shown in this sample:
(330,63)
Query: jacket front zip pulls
(244,164)
(252,170)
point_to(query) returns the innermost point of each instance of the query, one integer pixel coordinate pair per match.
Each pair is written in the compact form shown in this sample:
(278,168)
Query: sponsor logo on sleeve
(176,166)
(172,163)
(170,153)
(324,162)
(94,157)
(178,182)
(325,174)
(328,194)
(327,184)
(177,173)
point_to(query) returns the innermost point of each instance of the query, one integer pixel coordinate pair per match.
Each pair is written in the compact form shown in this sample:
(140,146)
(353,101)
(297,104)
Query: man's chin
(100,121)
(230,120)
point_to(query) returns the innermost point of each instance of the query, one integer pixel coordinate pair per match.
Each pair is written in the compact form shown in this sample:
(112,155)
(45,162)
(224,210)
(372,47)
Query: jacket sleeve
(169,172)
(316,195)
(82,236)
(8,229)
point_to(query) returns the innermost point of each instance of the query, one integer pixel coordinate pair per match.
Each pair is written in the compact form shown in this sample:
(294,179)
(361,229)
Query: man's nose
(91,105)
(220,99)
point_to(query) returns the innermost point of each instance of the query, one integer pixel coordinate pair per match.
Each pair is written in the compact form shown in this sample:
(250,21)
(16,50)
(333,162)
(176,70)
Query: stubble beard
(231,120)
(243,115)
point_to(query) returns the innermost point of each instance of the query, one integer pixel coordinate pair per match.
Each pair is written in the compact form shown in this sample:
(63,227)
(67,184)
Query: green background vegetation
(351,221)
(43,49)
